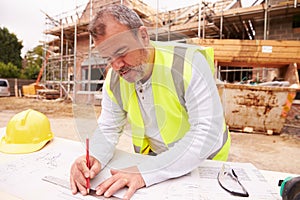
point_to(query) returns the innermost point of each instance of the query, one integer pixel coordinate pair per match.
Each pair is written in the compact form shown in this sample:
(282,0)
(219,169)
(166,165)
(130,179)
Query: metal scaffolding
(203,20)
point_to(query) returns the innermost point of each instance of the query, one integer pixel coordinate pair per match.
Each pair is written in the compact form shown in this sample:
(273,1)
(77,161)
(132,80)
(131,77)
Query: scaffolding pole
(90,54)
(61,48)
(199,19)
(61,54)
(156,23)
(266,20)
(75,57)
(221,24)
(265,31)
(203,29)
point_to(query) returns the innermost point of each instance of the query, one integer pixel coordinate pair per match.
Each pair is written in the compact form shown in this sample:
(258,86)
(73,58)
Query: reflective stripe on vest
(171,76)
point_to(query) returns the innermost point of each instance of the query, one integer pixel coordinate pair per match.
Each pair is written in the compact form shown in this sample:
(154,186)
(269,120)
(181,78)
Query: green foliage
(11,61)
(34,61)
(10,48)
(35,56)
(9,70)
(31,72)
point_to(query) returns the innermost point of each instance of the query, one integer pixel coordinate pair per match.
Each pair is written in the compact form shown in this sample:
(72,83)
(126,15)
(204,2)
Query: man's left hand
(128,177)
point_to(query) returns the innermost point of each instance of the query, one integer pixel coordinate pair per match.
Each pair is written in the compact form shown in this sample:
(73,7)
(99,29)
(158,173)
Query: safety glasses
(229,181)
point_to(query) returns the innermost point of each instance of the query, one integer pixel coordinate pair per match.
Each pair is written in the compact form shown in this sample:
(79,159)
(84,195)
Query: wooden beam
(254,65)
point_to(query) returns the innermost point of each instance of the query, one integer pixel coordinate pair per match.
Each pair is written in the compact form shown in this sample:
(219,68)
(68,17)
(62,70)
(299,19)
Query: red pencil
(88,185)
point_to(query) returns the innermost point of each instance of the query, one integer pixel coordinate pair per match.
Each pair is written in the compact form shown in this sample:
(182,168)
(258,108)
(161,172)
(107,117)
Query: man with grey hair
(166,91)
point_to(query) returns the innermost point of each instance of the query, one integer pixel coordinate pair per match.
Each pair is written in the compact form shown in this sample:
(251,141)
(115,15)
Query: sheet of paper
(201,183)
(164,190)
(21,175)
(249,176)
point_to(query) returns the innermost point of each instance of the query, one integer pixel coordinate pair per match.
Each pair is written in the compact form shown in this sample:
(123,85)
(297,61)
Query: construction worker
(167,93)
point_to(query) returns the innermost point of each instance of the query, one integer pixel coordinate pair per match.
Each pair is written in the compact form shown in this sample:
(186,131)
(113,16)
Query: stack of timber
(48,94)
(31,90)
(40,92)
(252,53)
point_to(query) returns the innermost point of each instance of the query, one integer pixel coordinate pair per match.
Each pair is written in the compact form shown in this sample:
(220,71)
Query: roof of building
(222,19)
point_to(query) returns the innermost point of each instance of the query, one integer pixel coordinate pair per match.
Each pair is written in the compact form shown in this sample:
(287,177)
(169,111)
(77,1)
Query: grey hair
(120,13)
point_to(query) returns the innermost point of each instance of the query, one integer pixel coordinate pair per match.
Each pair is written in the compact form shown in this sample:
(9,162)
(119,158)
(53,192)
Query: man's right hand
(80,171)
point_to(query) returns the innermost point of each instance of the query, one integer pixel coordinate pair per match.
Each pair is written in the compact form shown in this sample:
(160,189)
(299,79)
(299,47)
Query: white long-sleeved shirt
(204,137)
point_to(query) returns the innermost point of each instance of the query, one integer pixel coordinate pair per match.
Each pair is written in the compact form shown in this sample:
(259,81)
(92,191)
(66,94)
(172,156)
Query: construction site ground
(266,152)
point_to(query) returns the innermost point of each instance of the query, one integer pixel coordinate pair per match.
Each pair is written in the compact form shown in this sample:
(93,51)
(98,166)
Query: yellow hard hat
(26,132)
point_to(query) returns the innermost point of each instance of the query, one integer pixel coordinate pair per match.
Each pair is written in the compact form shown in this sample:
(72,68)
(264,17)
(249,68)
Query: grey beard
(140,72)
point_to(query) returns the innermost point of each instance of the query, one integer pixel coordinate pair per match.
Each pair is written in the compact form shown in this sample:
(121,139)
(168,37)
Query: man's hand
(80,171)
(129,177)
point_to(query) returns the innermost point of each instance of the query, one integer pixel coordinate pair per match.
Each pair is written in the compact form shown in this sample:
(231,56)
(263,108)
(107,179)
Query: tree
(31,72)
(9,70)
(10,48)
(34,60)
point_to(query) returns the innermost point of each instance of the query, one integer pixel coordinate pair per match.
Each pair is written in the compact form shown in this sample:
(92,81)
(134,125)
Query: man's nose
(117,64)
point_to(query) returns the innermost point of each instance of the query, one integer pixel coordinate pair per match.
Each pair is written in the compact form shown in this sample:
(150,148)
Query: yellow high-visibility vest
(170,78)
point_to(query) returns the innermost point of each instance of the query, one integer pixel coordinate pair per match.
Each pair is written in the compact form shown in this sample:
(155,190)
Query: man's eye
(121,52)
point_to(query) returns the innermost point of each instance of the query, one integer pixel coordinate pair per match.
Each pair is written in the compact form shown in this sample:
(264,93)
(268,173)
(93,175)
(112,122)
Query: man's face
(124,51)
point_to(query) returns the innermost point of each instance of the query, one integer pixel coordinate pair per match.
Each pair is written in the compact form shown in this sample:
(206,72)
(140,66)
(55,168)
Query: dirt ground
(267,152)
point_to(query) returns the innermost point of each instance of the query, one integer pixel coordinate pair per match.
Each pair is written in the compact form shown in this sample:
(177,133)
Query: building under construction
(252,45)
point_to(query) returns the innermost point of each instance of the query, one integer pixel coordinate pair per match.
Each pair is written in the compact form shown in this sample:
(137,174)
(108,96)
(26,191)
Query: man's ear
(144,35)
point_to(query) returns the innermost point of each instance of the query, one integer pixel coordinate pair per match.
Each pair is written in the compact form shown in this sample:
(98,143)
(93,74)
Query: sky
(26,18)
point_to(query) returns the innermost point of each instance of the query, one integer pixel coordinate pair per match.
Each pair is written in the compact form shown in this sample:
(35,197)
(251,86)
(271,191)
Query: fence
(16,85)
